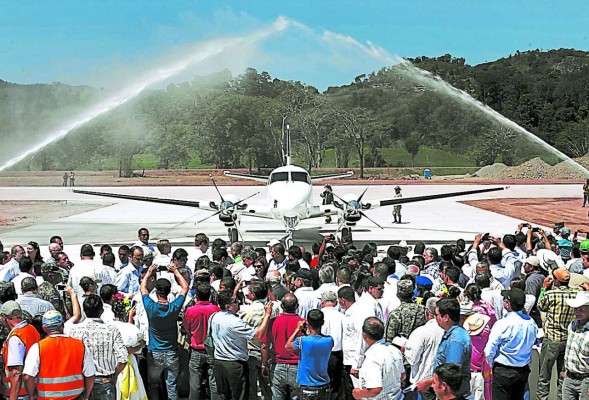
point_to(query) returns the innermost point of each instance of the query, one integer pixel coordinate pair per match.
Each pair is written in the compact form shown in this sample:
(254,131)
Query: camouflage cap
(405,288)
(49,267)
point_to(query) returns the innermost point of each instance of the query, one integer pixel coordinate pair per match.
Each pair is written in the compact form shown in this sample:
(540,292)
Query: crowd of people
(234,322)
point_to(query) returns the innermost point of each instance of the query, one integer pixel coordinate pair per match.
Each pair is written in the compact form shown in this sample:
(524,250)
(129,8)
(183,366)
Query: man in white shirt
(334,327)
(11,269)
(326,278)
(143,242)
(279,260)
(422,345)
(87,267)
(305,294)
(493,296)
(369,299)
(128,278)
(295,254)
(382,371)
(26,266)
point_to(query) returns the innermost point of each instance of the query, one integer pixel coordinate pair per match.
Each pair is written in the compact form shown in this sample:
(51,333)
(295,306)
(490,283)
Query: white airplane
(289,190)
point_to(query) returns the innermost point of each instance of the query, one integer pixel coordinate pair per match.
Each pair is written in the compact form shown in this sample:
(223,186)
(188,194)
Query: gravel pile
(535,168)
(565,170)
(490,171)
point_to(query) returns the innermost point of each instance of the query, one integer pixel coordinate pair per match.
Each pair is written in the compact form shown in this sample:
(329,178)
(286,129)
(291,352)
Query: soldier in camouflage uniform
(53,275)
(408,316)
(397,209)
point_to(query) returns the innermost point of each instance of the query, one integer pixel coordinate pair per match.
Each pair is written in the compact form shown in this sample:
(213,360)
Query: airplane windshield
(300,177)
(279,177)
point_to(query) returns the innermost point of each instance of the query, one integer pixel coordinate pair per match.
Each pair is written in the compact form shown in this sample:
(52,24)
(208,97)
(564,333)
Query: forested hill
(226,121)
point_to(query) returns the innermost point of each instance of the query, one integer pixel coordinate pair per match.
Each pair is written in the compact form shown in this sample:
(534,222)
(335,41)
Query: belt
(511,366)
(576,376)
(326,386)
(104,378)
(199,350)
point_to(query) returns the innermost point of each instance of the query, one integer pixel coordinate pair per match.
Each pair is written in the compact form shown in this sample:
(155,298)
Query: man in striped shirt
(553,301)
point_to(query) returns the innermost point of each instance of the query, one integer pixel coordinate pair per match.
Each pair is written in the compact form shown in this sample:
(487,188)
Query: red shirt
(195,322)
(314,262)
(283,326)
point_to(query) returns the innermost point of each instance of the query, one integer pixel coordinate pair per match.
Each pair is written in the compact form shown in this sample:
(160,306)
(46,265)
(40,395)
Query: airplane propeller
(226,207)
(356,207)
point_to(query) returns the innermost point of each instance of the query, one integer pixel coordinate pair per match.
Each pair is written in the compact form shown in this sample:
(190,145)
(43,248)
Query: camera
(162,268)
(526,224)
(485,237)
(536,229)
(303,328)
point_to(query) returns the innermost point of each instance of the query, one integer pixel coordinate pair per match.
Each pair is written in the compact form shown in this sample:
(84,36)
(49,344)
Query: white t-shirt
(383,368)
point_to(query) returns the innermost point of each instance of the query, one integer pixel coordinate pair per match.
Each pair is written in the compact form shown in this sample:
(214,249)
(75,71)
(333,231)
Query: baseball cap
(272,242)
(582,299)
(515,296)
(562,274)
(565,231)
(11,309)
(532,260)
(584,246)
(475,323)
(397,188)
(558,225)
(52,319)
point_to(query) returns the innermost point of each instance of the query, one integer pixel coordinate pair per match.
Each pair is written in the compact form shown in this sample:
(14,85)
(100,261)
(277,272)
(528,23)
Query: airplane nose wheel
(233,235)
(288,239)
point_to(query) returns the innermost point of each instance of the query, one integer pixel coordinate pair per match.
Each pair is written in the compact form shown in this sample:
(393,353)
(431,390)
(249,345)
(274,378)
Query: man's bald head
(273,276)
(290,303)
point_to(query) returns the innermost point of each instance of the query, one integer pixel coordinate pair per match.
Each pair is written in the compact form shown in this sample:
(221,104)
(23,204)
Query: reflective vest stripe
(62,379)
(60,393)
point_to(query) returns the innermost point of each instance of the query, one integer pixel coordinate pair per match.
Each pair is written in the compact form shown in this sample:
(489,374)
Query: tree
(412,146)
(355,124)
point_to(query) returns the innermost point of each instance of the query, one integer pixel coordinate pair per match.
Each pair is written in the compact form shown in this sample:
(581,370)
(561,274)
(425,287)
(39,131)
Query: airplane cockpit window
(300,177)
(279,177)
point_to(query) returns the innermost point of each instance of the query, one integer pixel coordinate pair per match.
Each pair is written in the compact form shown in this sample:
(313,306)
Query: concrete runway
(434,221)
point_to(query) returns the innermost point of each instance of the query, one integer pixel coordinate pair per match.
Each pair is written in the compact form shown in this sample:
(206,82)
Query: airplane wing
(318,178)
(258,178)
(176,202)
(323,211)
(404,200)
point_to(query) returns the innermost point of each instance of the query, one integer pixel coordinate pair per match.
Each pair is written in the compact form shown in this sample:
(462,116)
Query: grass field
(394,157)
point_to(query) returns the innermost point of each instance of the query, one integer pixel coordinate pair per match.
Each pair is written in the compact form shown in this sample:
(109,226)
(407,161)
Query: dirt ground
(539,211)
(20,214)
(202,178)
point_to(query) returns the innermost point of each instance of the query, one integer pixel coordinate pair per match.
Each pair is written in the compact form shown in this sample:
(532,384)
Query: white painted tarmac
(444,220)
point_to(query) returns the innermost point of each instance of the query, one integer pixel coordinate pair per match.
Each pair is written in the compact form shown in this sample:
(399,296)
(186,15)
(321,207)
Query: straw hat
(475,323)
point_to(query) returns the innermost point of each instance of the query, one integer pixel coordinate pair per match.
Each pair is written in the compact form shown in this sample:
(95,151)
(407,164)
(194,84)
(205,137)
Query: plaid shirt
(576,356)
(558,313)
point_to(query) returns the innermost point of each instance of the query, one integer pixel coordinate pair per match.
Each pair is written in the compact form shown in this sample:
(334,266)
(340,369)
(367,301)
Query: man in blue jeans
(314,352)
(162,356)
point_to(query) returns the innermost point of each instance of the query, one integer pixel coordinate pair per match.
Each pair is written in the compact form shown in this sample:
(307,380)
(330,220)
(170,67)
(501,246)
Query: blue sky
(79,42)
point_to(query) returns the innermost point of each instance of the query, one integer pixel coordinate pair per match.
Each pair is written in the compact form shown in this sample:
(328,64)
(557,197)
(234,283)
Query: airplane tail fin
(287,151)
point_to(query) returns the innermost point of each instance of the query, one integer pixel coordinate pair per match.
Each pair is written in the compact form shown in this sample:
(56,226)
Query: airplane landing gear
(233,234)
(288,239)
